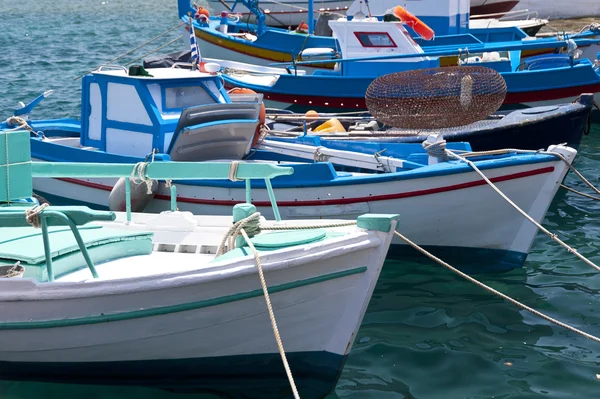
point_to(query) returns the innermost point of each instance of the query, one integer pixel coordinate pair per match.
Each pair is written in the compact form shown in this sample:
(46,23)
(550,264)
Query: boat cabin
(181,112)
(369,37)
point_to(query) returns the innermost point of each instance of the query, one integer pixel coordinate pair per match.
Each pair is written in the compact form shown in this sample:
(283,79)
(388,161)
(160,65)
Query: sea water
(427,333)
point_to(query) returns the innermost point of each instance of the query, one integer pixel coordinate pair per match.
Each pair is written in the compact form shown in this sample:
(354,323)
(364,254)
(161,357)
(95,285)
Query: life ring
(261,117)
(202,11)
(415,23)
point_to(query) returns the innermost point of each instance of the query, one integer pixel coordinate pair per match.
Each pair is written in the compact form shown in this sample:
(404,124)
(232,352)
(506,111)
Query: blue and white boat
(286,13)
(171,116)
(149,301)
(235,39)
(373,48)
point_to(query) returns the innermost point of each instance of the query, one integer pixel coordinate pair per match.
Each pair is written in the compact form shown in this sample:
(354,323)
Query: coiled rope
(15,271)
(496,292)
(21,124)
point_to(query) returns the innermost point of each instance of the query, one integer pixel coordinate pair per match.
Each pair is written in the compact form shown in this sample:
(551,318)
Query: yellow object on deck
(331,126)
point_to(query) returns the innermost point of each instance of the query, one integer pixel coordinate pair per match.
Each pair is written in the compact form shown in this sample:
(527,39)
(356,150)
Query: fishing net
(436,98)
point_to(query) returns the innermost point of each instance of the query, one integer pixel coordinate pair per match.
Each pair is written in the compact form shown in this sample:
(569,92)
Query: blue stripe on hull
(250,376)
(469,260)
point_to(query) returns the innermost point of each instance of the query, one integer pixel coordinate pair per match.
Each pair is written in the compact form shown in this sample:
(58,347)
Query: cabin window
(375,39)
(186,96)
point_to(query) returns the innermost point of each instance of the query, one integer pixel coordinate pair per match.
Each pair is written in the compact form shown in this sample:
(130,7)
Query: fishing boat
(230,38)
(527,129)
(373,48)
(291,13)
(181,115)
(554,9)
(152,300)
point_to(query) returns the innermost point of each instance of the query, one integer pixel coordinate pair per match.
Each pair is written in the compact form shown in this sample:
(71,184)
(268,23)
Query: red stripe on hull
(337,201)
(359,103)
(494,8)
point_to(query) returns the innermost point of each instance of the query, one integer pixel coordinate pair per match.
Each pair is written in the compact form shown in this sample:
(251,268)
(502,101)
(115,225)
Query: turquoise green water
(427,334)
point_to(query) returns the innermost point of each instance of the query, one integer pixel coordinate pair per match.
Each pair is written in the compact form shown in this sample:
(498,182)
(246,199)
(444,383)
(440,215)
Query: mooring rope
(138,175)
(494,291)
(263,283)
(154,51)
(32,214)
(251,223)
(522,212)
(308,227)
(556,154)
(580,193)
(136,48)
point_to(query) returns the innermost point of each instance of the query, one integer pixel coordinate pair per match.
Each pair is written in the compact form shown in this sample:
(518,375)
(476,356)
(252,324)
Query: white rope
(251,223)
(263,283)
(32,214)
(495,292)
(516,207)
(437,149)
(15,271)
(580,193)
(307,227)
(233,168)
(556,154)
(138,175)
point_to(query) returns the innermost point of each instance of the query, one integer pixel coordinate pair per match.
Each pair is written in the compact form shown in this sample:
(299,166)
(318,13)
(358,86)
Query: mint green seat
(15,184)
(25,245)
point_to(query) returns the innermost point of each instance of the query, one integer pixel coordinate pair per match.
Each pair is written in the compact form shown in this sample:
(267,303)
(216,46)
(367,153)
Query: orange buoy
(415,23)
(202,11)
(302,28)
(312,114)
(261,117)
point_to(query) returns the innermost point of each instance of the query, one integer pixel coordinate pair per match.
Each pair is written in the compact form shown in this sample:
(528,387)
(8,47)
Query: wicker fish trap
(436,98)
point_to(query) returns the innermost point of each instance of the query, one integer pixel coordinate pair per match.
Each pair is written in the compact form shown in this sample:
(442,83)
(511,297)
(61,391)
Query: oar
(339,157)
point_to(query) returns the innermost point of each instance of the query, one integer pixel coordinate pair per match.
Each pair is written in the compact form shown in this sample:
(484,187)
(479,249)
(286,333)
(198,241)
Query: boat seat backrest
(218,112)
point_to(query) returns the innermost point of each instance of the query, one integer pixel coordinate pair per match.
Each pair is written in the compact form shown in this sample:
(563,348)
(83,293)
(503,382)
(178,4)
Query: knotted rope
(138,175)
(250,224)
(32,215)
(437,149)
(21,124)
(15,271)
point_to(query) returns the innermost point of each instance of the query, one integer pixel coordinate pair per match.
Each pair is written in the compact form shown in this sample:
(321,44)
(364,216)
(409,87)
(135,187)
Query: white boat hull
(196,330)
(562,9)
(286,13)
(436,212)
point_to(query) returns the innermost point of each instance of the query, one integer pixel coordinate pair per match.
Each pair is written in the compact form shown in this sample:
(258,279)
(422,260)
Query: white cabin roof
(368,37)
(157,73)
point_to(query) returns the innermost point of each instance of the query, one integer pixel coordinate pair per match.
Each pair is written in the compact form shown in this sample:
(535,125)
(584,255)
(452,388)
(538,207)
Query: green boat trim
(164,310)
